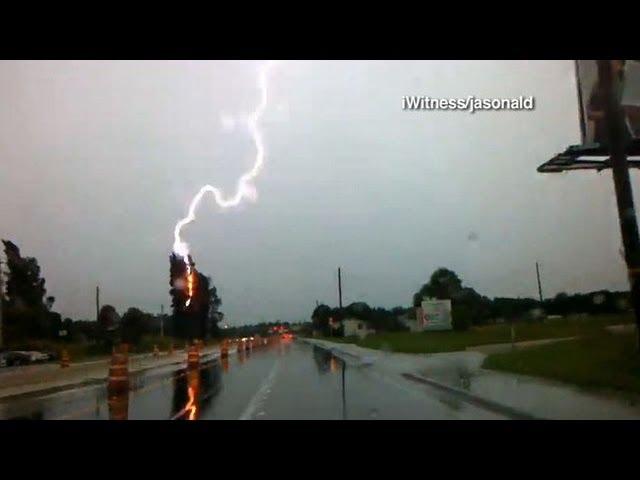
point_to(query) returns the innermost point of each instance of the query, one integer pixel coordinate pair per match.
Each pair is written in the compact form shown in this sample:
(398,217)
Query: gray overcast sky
(100,159)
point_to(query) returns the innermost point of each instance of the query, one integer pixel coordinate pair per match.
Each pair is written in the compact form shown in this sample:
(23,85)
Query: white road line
(262,393)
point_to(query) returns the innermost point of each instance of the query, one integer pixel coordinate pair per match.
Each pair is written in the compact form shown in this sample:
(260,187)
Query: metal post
(614,116)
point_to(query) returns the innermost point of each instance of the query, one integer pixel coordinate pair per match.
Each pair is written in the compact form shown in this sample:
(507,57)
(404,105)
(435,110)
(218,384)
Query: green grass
(433,342)
(603,361)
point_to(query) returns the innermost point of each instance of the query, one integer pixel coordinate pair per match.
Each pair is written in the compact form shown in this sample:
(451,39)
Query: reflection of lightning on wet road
(287,380)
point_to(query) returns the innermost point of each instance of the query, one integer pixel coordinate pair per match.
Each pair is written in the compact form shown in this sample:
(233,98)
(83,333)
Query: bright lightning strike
(244,187)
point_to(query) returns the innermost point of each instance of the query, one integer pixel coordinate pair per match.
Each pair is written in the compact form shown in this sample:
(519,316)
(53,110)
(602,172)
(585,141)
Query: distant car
(17,358)
(38,357)
(53,356)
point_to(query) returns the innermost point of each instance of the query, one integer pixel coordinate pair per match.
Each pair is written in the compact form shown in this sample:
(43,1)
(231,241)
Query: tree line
(328,320)
(28,312)
(470,308)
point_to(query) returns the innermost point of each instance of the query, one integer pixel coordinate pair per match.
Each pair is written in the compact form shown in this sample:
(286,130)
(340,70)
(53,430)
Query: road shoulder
(517,396)
(50,378)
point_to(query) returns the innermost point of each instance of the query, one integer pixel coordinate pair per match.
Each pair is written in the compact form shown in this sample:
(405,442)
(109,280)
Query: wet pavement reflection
(194,390)
(328,363)
(281,380)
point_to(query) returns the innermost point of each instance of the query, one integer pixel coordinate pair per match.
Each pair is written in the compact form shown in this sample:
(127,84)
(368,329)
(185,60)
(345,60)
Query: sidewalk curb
(338,352)
(478,401)
(481,402)
(330,348)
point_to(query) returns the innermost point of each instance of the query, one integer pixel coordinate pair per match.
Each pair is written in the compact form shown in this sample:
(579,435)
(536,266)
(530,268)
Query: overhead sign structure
(609,98)
(593,152)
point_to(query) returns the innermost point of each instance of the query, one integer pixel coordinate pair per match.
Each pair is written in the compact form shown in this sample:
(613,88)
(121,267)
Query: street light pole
(614,115)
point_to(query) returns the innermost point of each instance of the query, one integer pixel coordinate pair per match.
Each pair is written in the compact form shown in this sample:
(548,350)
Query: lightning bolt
(244,187)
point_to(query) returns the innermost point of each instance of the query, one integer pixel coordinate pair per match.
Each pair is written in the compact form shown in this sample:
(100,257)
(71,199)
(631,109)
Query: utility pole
(340,288)
(162,321)
(97,303)
(539,284)
(1,301)
(615,121)
(339,294)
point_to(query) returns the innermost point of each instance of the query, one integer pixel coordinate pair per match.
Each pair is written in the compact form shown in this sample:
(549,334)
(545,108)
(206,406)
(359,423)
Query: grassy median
(600,361)
(433,342)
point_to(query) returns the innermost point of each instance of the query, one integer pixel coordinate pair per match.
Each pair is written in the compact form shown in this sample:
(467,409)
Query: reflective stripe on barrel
(193,357)
(118,374)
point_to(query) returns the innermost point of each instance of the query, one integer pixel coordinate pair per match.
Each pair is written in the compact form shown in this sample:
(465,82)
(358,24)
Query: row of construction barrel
(65,359)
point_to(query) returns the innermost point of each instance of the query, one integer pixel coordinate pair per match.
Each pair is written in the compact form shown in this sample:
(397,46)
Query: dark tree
(215,316)
(27,315)
(320,319)
(108,318)
(86,330)
(69,328)
(443,284)
(202,306)
(468,306)
(135,323)
(193,318)
(108,330)
(24,285)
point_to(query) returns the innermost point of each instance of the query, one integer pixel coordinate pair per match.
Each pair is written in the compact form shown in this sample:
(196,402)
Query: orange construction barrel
(193,357)
(225,364)
(118,374)
(65,361)
(224,349)
(119,406)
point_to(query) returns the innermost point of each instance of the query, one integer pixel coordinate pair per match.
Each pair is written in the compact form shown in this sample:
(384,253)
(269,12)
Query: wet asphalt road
(290,380)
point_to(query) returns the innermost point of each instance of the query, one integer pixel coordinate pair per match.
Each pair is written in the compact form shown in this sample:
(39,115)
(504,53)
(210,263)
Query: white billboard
(436,314)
